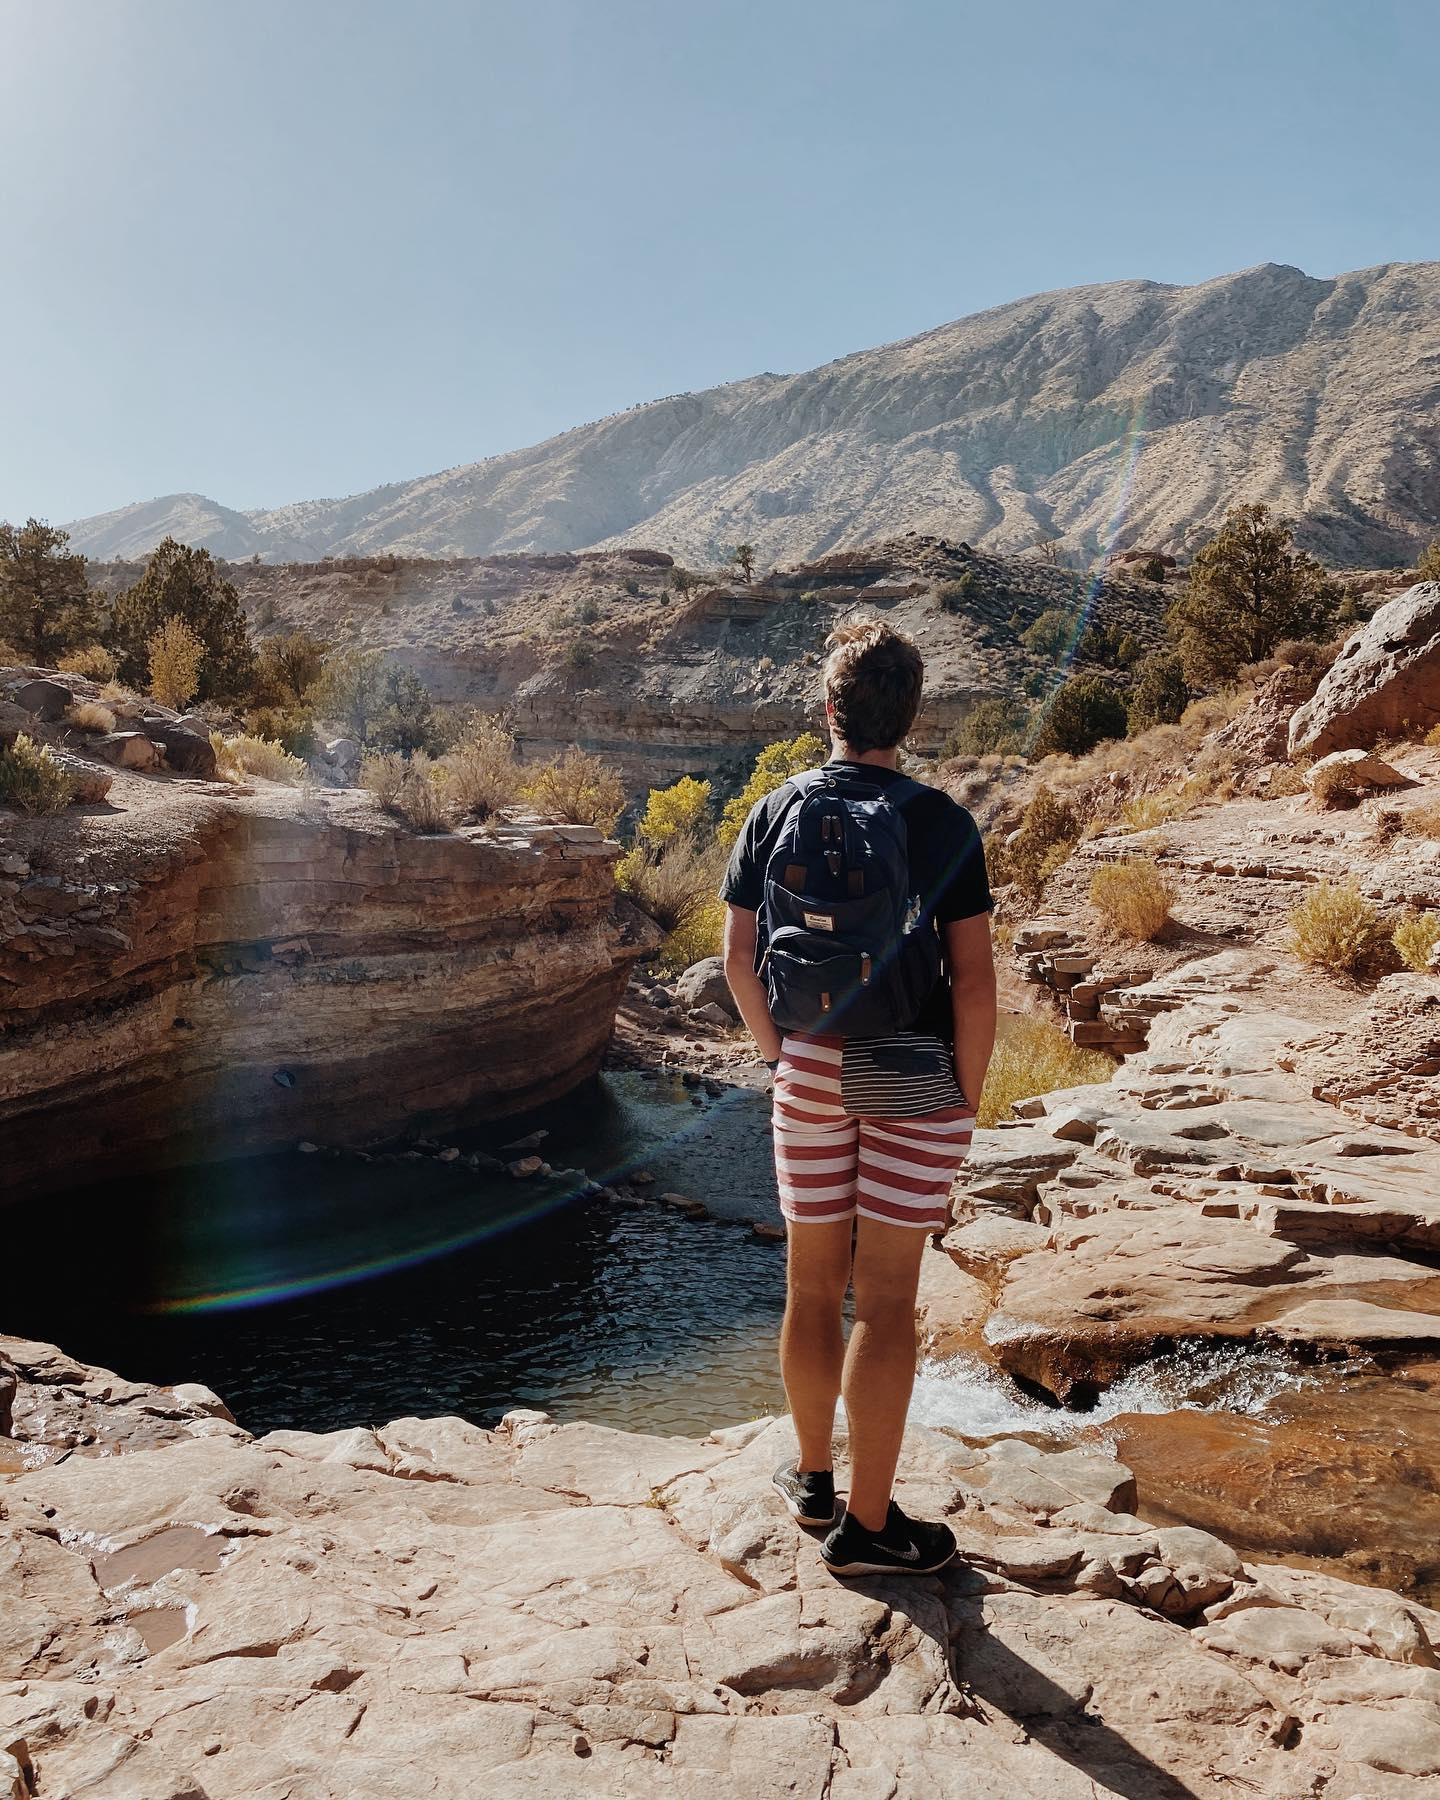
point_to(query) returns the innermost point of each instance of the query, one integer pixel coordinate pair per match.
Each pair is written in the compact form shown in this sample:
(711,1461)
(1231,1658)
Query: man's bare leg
(879,1368)
(812,1345)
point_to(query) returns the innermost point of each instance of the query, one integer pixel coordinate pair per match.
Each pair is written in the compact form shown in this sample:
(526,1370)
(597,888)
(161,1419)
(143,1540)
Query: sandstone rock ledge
(428,1608)
(202,971)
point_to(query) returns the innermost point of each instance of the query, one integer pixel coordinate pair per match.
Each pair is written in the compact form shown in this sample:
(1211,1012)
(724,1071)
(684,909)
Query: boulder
(91,784)
(191,752)
(13,720)
(127,750)
(44,698)
(711,1014)
(344,754)
(1358,771)
(1385,681)
(704,984)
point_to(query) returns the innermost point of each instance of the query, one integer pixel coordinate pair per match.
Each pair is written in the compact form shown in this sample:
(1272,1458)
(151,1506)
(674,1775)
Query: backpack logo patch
(818,921)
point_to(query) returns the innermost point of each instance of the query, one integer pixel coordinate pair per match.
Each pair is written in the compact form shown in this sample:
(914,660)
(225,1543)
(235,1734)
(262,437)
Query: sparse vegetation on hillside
(32,780)
(1336,928)
(1133,897)
(955,595)
(1032,1056)
(1048,832)
(742,559)
(1427,567)
(994,725)
(1161,692)
(1051,634)
(1249,588)
(46,606)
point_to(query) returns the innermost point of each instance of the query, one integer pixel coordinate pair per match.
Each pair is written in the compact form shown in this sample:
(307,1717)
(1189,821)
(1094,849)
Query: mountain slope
(1132,412)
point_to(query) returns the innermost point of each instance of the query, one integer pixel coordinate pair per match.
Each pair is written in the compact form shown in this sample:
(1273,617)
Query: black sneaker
(810,1498)
(904,1547)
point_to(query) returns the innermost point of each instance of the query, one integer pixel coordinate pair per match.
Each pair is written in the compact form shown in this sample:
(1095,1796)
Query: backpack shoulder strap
(800,785)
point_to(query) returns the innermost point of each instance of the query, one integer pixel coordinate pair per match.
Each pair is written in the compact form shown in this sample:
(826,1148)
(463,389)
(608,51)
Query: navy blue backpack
(843,942)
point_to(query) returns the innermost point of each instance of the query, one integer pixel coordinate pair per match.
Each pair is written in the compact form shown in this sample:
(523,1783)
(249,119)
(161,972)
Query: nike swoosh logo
(909,1554)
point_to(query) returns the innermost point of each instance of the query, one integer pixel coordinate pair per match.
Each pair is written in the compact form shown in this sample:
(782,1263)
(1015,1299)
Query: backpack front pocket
(817,982)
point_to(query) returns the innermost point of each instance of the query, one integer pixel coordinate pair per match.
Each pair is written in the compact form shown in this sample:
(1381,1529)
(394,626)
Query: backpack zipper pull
(864,968)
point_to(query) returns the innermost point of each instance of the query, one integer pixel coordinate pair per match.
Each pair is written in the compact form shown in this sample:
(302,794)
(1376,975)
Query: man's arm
(745,984)
(971,962)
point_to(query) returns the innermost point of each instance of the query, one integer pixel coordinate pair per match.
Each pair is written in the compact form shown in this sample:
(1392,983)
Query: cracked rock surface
(427,1608)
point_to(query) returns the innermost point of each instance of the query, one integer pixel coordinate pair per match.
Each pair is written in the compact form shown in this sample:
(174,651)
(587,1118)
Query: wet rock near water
(562,1608)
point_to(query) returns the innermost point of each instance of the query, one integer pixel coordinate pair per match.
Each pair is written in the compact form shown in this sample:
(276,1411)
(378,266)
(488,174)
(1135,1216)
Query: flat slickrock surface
(427,1608)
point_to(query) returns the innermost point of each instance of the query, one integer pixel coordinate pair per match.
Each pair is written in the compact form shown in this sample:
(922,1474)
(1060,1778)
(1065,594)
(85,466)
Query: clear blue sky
(279,249)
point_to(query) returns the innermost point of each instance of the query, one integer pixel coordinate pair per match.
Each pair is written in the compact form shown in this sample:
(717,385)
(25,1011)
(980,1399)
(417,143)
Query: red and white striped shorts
(830,1164)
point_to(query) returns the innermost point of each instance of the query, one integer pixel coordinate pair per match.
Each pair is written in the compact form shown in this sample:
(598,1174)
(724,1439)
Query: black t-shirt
(947,864)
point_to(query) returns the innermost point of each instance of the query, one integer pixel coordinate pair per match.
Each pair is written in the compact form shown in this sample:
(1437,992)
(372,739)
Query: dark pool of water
(316,1292)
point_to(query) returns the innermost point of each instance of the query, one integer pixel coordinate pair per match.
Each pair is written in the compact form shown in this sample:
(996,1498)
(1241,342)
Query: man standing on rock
(857,946)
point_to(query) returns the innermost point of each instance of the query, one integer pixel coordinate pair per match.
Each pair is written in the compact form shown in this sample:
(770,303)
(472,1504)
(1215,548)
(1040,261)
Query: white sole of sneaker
(867,1568)
(804,1518)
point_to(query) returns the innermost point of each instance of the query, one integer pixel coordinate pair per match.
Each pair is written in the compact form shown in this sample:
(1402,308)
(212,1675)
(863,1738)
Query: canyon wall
(214,975)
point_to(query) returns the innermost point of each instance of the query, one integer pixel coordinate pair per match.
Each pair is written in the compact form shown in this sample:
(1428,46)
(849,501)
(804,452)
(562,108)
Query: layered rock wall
(221,975)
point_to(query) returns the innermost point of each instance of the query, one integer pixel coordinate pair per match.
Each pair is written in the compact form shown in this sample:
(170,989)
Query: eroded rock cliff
(189,971)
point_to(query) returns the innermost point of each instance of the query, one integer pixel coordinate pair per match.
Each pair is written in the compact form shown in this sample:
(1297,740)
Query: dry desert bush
(237,757)
(94,662)
(1048,832)
(1133,897)
(577,789)
(1334,789)
(675,883)
(1415,939)
(1422,821)
(671,880)
(480,774)
(1032,1056)
(90,715)
(409,788)
(32,780)
(1337,929)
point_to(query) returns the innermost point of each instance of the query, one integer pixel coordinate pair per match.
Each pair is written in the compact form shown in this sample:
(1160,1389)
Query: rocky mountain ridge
(1129,413)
